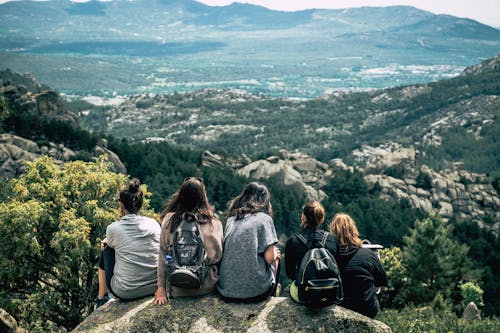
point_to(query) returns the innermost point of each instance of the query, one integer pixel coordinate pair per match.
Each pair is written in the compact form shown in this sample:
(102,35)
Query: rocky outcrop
(43,103)
(298,171)
(210,315)
(452,192)
(212,160)
(15,151)
(9,324)
(101,148)
(376,159)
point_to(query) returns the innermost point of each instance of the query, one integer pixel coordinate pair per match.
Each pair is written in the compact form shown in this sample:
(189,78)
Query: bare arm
(271,254)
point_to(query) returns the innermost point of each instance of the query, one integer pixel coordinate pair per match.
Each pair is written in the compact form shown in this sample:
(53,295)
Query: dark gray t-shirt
(244,272)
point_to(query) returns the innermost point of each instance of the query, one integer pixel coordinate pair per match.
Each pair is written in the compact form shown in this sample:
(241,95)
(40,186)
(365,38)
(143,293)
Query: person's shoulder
(113,226)
(332,237)
(293,240)
(263,217)
(367,253)
(150,221)
(166,220)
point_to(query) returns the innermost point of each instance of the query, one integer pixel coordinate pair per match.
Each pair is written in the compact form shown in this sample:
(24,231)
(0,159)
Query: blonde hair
(314,214)
(345,228)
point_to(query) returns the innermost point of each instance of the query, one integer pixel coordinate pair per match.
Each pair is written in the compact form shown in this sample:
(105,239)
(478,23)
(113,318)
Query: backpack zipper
(327,287)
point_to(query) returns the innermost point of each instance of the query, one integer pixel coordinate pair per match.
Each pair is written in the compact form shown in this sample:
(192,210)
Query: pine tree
(434,262)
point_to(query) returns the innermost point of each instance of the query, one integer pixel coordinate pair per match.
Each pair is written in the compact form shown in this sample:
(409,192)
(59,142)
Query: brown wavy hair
(314,214)
(254,198)
(345,228)
(191,197)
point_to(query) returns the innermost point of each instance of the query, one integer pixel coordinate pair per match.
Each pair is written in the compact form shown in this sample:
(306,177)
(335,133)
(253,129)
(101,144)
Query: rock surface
(15,151)
(9,324)
(210,314)
(471,312)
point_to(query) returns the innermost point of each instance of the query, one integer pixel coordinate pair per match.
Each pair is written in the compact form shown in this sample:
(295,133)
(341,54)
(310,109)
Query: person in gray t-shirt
(127,267)
(249,268)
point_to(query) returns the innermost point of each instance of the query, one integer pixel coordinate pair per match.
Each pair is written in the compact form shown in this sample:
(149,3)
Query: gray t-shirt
(244,272)
(136,241)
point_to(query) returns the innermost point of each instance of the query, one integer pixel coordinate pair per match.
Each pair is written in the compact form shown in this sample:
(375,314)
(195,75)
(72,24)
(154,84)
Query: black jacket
(295,249)
(361,272)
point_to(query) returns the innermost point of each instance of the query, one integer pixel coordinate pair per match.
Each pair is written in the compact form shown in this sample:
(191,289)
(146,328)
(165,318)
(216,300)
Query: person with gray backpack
(190,244)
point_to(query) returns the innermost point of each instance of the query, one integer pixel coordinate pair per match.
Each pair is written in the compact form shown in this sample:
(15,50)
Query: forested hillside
(441,119)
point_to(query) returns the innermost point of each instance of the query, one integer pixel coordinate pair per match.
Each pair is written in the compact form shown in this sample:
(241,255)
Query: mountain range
(180,45)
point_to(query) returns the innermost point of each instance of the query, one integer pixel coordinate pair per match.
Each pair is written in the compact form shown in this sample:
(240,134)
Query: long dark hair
(131,196)
(314,214)
(254,198)
(191,197)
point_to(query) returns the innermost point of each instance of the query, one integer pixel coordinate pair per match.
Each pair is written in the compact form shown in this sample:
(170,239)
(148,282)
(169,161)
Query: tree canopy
(50,227)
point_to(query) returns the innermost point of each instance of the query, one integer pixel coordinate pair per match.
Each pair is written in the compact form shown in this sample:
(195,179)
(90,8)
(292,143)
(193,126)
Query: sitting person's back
(313,216)
(127,267)
(190,199)
(249,269)
(136,240)
(360,268)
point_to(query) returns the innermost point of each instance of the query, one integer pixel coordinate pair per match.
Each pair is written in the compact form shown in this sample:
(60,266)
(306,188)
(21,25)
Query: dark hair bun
(133,185)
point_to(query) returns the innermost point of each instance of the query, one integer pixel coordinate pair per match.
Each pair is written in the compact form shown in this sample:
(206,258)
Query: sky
(484,11)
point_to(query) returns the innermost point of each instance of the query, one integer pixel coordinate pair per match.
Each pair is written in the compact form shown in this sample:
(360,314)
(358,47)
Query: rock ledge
(211,314)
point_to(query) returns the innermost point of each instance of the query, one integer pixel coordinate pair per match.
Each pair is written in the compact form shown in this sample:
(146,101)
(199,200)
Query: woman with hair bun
(127,267)
(360,268)
(311,220)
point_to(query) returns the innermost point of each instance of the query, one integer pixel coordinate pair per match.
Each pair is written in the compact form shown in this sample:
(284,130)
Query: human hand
(277,253)
(160,296)
(103,244)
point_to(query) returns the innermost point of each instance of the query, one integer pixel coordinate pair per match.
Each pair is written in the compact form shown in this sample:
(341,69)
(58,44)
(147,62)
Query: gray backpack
(187,265)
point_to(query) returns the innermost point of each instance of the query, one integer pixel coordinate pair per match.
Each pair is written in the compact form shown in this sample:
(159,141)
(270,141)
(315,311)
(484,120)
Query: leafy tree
(435,262)
(392,296)
(50,227)
(484,246)
(471,292)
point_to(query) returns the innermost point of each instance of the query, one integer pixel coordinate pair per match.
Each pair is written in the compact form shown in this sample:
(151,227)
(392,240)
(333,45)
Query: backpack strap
(303,240)
(307,244)
(323,240)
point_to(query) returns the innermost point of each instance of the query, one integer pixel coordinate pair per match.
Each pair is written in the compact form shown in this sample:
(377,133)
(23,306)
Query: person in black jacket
(360,268)
(313,216)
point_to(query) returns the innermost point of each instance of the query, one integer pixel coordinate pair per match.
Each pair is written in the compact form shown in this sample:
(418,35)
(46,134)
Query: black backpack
(187,265)
(318,278)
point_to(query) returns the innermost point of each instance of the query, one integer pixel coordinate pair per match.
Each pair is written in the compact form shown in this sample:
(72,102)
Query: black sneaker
(102,301)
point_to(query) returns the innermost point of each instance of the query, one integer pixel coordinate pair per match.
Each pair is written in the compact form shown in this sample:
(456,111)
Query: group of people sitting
(243,260)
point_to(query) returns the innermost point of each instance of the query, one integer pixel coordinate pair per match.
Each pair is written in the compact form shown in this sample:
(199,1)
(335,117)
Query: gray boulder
(471,312)
(210,314)
(8,324)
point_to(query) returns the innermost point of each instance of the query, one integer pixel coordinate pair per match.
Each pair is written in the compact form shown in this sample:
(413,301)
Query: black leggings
(107,263)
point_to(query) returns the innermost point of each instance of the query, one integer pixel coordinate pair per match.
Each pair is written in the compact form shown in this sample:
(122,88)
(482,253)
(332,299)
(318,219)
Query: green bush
(428,320)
